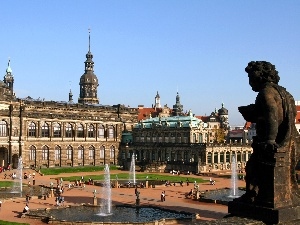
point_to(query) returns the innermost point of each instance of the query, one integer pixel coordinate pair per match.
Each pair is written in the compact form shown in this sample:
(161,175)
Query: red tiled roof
(145,112)
(298,114)
(205,119)
(247,125)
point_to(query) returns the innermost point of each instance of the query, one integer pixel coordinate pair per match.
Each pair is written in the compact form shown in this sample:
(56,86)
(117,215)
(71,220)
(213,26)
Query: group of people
(3,169)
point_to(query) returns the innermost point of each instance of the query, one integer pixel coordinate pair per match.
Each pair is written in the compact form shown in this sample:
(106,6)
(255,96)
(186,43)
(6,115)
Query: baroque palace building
(58,134)
(168,139)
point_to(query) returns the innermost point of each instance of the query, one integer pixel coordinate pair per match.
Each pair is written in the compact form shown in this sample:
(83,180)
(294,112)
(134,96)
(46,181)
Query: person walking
(162,196)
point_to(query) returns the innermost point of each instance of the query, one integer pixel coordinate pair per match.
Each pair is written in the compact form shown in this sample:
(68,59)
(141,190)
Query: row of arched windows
(70,152)
(69,130)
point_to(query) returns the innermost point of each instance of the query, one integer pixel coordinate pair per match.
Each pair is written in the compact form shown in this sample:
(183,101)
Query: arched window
(80,152)
(102,150)
(32,130)
(32,153)
(45,152)
(57,152)
(56,130)
(69,130)
(45,130)
(91,152)
(80,130)
(101,131)
(3,129)
(69,152)
(111,132)
(91,131)
(112,152)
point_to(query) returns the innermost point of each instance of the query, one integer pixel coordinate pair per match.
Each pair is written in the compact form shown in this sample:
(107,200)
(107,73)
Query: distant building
(185,142)
(61,133)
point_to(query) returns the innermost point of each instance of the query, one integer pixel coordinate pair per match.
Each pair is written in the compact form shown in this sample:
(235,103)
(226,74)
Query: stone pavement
(175,199)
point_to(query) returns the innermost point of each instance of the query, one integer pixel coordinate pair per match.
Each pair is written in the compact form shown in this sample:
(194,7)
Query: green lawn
(12,223)
(56,171)
(144,176)
(6,184)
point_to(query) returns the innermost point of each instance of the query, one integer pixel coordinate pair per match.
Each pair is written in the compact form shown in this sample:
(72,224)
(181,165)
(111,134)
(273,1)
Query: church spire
(89,40)
(88,81)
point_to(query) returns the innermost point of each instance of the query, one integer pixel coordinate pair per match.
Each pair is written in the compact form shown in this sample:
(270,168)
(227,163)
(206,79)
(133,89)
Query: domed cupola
(9,80)
(223,111)
(178,107)
(88,81)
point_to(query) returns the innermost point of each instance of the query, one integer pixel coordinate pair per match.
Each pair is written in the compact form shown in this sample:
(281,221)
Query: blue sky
(199,48)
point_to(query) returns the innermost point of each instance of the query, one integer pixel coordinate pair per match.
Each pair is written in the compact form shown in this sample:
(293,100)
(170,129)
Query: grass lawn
(12,223)
(144,176)
(56,171)
(6,184)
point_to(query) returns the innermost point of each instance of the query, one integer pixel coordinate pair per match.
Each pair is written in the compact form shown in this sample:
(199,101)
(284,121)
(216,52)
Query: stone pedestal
(277,200)
(95,201)
(137,201)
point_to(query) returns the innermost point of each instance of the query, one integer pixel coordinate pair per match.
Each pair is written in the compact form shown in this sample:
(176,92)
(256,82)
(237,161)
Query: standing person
(162,196)
(0,205)
(27,198)
(26,208)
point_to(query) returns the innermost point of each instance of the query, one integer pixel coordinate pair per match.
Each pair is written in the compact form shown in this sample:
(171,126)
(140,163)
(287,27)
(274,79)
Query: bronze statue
(274,114)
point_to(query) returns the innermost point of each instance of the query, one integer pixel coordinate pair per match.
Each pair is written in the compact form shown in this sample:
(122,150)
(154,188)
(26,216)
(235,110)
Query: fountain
(132,178)
(105,208)
(234,187)
(223,196)
(17,186)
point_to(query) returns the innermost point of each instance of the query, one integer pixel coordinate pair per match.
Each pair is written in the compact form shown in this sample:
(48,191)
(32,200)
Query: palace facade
(167,139)
(58,134)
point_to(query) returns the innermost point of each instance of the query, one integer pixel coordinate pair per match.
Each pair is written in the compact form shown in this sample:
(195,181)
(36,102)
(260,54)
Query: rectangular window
(69,154)
(57,154)
(80,153)
(45,154)
(32,155)
(91,154)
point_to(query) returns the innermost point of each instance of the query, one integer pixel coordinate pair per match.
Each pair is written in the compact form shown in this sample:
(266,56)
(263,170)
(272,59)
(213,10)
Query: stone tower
(177,108)
(9,79)
(88,81)
(157,101)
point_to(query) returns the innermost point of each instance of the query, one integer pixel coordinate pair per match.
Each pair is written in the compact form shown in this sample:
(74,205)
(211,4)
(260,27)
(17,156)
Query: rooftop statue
(270,172)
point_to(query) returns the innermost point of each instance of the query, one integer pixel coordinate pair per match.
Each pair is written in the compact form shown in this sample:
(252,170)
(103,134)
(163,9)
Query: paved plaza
(175,197)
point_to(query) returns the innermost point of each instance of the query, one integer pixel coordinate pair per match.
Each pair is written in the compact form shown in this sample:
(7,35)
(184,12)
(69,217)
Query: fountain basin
(220,196)
(126,214)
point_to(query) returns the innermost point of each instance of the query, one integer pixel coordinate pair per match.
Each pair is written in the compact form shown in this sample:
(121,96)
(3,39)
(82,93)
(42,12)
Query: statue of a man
(274,114)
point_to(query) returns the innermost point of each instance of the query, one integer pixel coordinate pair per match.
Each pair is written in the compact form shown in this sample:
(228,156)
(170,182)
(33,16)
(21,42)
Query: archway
(15,161)
(4,161)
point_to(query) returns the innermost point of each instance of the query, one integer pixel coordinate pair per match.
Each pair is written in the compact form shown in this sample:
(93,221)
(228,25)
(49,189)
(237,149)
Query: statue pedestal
(94,201)
(137,201)
(267,215)
(277,199)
